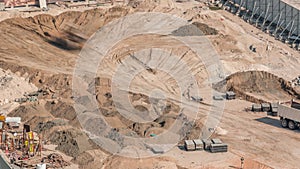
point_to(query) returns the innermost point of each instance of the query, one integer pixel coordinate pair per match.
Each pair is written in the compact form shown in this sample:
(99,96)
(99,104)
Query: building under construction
(280,18)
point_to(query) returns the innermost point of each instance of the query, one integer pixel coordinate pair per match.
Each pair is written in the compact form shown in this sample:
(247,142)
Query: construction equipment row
(213,145)
(266,107)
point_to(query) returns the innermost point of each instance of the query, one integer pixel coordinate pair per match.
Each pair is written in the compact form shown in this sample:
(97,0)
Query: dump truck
(289,113)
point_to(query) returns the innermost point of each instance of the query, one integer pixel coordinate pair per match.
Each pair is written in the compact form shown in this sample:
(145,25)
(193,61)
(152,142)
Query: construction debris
(55,161)
(296,81)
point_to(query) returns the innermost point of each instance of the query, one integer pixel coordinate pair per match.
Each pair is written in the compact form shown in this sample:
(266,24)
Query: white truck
(289,114)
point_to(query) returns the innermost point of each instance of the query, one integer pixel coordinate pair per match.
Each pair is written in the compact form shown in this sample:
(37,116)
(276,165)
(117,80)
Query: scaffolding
(279,18)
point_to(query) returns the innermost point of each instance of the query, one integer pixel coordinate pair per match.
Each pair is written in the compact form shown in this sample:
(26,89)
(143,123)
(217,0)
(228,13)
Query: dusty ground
(44,49)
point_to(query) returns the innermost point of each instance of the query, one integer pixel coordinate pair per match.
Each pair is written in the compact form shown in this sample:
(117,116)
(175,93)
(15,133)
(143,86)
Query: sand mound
(61,110)
(13,86)
(51,42)
(71,142)
(258,86)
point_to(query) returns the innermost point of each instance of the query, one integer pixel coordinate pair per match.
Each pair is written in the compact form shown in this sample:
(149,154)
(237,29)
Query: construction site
(143,84)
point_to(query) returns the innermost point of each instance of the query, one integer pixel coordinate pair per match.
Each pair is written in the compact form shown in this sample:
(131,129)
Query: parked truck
(289,114)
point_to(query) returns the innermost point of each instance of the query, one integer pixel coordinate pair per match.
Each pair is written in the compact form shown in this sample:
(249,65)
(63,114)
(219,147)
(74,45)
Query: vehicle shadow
(181,147)
(273,122)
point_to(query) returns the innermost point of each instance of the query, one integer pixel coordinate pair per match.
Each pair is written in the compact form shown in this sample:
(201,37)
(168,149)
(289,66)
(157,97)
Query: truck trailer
(289,114)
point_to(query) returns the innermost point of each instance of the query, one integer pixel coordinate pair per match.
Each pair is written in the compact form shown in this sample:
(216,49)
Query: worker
(242,162)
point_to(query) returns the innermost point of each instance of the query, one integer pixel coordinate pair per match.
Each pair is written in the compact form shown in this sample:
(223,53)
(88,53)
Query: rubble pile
(55,161)
(5,79)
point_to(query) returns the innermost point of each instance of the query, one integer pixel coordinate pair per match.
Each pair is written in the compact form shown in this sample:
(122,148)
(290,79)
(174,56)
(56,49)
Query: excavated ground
(44,49)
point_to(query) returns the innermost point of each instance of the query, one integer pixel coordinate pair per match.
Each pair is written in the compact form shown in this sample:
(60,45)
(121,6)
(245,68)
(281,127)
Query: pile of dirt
(205,29)
(61,109)
(139,5)
(71,142)
(45,47)
(13,86)
(40,112)
(91,159)
(141,103)
(29,111)
(188,30)
(46,126)
(66,30)
(84,159)
(60,82)
(55,161)
(258,87)
(195,29)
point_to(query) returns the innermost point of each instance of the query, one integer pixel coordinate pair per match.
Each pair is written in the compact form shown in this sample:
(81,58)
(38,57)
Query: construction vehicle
(289,113)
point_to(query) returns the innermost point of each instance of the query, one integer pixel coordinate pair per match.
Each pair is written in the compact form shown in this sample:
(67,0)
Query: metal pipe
(273,20)
(277,28)
(292,31)
(286,27)
(267,17)
(253,12)
(256,21)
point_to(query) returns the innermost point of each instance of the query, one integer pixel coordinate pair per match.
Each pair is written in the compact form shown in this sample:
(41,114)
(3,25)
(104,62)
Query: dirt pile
(13,86)
(61,110)
(141,103)
(48,42)
(29,111)
(45,47)
(205,28)
(195,29)
(55,161)
(60,83)
(258,86)
(71,142)
(139,5)
(46,126)
(68,30)
(189,30)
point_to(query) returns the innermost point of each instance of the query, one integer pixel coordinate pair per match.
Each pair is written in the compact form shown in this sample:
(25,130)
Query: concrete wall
(276,11)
